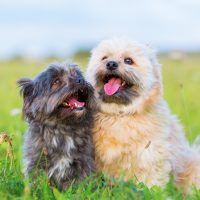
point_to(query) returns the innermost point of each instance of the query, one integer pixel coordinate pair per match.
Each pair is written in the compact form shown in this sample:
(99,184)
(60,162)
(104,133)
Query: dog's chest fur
(63,151)
(59,145)
(131,145)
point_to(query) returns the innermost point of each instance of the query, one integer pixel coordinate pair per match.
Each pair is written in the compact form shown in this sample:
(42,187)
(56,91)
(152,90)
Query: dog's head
(60,92)
(125,74)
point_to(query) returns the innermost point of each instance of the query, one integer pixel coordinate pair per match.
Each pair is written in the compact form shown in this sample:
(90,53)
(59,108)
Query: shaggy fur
(135,134)
(59,136)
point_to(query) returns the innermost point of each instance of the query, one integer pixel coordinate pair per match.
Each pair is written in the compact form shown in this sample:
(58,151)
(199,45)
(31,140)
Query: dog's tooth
(124,83)
(65,104)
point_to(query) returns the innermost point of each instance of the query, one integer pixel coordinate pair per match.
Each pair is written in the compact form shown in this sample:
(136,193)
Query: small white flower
(15,111)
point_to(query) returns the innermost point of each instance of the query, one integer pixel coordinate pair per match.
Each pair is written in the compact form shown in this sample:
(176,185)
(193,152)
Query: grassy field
(181,85)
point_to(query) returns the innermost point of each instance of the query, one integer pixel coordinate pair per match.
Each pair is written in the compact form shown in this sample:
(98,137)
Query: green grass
(181,85)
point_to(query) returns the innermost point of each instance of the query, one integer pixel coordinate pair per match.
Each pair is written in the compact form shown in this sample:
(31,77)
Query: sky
(40,28)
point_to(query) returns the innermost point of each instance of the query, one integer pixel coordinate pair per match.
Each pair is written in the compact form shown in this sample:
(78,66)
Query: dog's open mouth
(113,84)
(115,87)
(76,101)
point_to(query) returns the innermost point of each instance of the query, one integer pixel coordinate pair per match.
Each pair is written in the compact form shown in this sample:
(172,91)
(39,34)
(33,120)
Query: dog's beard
(117,87)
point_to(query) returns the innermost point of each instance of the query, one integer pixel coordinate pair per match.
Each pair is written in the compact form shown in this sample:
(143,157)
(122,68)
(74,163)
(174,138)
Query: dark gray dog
(58,106)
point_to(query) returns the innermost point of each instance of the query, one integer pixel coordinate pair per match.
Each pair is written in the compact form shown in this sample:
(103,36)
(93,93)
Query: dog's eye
(128,61)
(105,57)
(57,82)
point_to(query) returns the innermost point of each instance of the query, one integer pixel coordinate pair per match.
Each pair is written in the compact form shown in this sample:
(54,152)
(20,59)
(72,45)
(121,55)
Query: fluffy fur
(59,139)
(135,134)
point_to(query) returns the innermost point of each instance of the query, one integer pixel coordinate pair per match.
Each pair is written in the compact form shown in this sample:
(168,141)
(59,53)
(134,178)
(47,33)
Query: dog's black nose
(112,65)
(80,80)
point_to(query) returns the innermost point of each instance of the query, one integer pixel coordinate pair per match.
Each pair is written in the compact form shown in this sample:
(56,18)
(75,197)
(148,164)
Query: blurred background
(37,29)
(36,32)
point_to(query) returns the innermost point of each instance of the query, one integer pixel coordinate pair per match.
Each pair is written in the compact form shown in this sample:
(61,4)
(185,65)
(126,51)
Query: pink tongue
(74,103)
(112,86)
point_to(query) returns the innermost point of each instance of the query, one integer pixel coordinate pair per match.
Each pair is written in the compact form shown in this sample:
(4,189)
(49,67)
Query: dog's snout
(80,80)
(112,65)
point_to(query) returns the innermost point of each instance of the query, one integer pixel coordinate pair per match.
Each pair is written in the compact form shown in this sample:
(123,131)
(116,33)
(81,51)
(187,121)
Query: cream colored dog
(135,134)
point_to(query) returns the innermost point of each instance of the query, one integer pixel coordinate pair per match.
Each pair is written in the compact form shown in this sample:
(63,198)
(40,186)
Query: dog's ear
(152,54)
(26,90)
(157,67)
(26,87)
